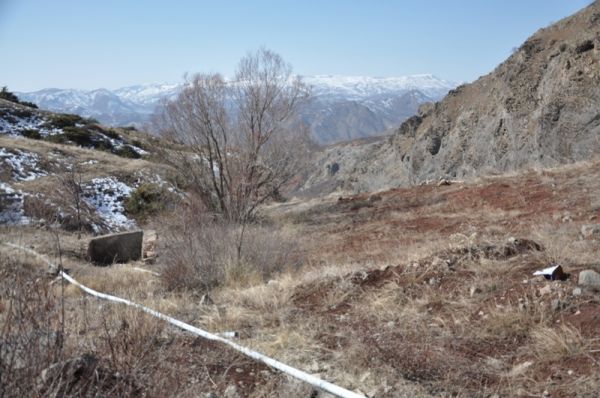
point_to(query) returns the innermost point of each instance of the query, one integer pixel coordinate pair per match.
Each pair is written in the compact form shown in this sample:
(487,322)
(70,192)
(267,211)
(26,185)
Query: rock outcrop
(538,108)
(541,107)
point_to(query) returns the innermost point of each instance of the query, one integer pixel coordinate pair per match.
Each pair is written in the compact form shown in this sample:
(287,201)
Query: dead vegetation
(422,293)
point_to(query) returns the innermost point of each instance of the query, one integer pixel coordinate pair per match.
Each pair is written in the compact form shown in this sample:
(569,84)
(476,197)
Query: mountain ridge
(343,107)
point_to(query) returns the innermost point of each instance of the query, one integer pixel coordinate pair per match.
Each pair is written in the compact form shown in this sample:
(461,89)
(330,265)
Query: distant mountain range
(343,107)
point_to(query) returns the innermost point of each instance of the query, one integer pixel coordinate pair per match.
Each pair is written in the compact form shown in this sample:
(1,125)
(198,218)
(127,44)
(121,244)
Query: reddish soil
(454,360)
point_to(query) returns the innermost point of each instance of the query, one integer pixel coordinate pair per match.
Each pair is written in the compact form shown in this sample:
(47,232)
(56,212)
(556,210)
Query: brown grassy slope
(439,298)
(413,292)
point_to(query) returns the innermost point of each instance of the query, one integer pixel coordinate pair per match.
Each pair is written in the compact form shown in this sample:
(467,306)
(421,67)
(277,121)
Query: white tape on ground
(299,374)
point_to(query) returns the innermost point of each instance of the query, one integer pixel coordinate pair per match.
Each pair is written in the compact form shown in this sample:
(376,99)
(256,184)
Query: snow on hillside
(14,125)
(11,206)
(24,166)
(107,195)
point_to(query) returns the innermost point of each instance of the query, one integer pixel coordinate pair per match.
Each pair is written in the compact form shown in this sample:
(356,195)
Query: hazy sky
(113,43)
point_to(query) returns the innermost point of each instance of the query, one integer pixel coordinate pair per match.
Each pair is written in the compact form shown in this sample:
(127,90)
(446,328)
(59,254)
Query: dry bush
(201,252)
(558,343)
(30,335)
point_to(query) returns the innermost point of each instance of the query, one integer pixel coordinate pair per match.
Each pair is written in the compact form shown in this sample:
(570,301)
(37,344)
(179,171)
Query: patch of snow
(14,125)
(11,206)
(107,196)
(24,164)
(119,143)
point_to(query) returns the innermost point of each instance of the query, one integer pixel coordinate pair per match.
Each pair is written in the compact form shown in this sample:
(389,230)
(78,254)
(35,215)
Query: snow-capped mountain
(361,87)
(343,107)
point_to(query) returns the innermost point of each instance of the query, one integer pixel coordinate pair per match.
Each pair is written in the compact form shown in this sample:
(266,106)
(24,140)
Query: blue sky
(113,43)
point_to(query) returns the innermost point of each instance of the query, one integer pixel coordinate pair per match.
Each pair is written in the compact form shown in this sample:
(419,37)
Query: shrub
(31,133)
(112,134)
(146,200)
(56,138)
(29,104)
(359,204)
(201,253)
(30,339)
(138,144)
(21,113)
(126,151)
(62,120)
(103,145)
(7,95)
(79,136)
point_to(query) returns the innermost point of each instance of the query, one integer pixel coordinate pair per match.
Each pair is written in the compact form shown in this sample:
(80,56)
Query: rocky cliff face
(541,107)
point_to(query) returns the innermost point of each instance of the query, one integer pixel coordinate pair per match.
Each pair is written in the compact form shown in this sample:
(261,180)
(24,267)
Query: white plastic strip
(299,374)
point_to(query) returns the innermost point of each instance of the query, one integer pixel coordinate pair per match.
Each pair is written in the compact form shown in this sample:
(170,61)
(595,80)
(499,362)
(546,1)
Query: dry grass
(397,299)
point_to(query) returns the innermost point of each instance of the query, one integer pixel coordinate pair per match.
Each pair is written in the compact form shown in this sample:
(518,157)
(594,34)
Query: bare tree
(238,141)
(71,187)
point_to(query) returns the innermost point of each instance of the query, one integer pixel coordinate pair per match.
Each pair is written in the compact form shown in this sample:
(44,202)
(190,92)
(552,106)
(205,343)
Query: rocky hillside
(62,168)
(538,108)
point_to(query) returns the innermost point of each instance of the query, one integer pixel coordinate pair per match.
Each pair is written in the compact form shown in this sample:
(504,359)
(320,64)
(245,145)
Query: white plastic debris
(554,272)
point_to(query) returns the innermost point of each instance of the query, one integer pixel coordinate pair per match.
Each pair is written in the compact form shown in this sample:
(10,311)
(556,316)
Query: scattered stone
(545,290)
(589,279)
(313,367)
(443,182)
(73,376)
(231,392)
(116,248)
(577,291)
(590,231)
(67,370)
(474,290)
(433,281)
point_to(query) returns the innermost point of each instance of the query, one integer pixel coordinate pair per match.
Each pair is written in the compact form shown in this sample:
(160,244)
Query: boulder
(83,376)
(589,279)
(590,231)
(116,248)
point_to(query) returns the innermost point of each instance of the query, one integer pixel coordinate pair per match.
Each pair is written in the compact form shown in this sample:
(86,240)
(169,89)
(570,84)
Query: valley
(422,239)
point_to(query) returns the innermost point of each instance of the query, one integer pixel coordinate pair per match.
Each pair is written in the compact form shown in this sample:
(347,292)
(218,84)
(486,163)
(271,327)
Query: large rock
(590,279)
(116,248)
